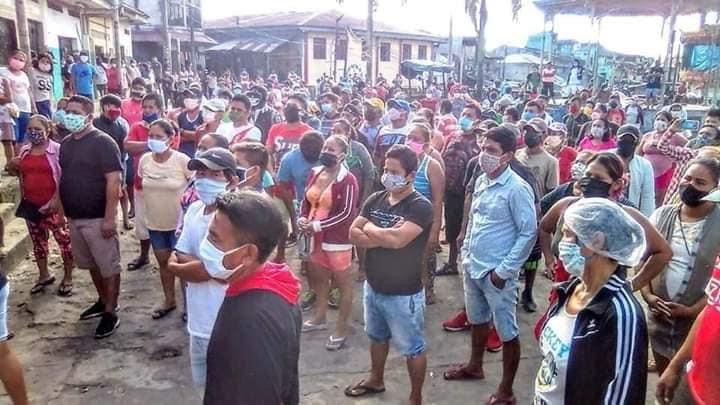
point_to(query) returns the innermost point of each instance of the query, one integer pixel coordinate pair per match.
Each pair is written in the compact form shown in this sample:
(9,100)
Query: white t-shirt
(555,342)
(20,88)
(229,131)
(203,299)
(42,85)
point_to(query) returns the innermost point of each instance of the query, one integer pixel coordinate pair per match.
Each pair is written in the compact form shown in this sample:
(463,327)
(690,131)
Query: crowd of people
(220,178)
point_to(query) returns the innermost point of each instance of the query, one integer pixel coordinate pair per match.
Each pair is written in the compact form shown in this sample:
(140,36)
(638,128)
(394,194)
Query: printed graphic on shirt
(283,146)
(548,367)
(384,219)
(713,288)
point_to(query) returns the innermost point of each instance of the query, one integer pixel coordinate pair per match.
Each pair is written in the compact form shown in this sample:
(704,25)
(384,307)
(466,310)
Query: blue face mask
(150,118)
(208,190)
(571,257)
(465,124)
(528,115)
(326,107)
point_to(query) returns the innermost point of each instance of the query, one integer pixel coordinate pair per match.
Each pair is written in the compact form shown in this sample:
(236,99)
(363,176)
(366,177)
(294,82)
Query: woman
(594,341)
(663,166)
(677,295)
(39,169)
(164,175)
(430,182)
(326,213)
(438,141)
(598,138)
(556,145)
(358,160)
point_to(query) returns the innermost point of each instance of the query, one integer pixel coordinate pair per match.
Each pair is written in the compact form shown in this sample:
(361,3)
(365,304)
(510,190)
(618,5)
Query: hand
(656,305)
(433,243)
(305,225)
(676,126)
(678,310)
(399,224)
(666,386)
(108,228)
(550,264)
(498,282)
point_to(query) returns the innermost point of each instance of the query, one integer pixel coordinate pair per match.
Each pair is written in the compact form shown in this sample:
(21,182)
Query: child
(42,84)
(59,119)
(252,161)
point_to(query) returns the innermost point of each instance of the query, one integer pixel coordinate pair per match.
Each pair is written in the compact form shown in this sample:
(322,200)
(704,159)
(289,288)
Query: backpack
(456,157)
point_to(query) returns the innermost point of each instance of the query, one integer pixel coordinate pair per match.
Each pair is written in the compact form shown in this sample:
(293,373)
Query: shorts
(141,229)
(4,292)
(91,251)
(397,317)
(21,126)
(7,136)
(454,204)
(485,302)
(335,261)
(548,89)
(162,240)
(662,182)
(43,108)
(198,359)
(652,92)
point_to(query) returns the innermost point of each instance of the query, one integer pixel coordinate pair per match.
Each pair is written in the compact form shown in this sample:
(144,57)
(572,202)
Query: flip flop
(128,226)
(462,373)
(40,285)
(309,326)
(494,400)
(65,289)
(162,312)
(360,389)
(137,264)
(334,343)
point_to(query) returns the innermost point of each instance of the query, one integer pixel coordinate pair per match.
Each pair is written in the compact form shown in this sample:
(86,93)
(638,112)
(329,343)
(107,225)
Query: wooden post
(670,45)
(22,28)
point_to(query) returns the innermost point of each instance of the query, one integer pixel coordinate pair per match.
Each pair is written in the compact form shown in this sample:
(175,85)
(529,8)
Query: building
(312,44)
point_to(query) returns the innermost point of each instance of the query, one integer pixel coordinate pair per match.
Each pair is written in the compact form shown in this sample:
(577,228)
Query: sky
(645,33)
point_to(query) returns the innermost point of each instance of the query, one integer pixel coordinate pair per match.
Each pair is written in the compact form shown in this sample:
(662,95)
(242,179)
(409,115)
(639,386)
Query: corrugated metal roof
(623,7)
(258,45)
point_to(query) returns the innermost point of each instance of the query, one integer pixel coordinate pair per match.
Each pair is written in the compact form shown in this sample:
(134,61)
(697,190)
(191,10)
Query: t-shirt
(82,76)
(544,168)
(295,169)
(397,271)
(20,89)
(189,147)
(283,138)
(555,343)
(235,134)
(138,133)
(203,299)
(118,130)
(587,144)
(38,185)
(370,133)
(131,110)
(704,368)
(326,124)
(387,137)
(566,157)
(42,85)
(163,184)
(84,163)
(548,75)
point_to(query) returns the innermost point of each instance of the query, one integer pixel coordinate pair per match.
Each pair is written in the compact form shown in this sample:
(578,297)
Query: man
(240,128)
(131,107)
(394,227)
(575,78)
(285,136)
(111,123)
(548,80)
(370,128)
(616,113)
(258,362)
(11,372)
(263,115)
(504,217)
(713,117)
(574,120)
(641,190)
(395,133)
(556,145)
(634,113)
(532,81)
(654,80)
(329,109)
(213,111)
(89,185)
(83,75)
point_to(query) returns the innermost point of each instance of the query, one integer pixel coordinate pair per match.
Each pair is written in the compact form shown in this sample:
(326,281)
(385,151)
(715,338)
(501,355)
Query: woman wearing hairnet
(594,341)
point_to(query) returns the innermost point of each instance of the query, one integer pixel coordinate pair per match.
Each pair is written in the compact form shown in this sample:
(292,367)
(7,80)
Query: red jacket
(335,229)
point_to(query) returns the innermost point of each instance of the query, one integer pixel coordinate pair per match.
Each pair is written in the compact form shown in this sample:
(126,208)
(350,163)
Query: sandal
(162,312)
(334,343)
(309,326)
(360,389)
(128,226)
(447,270)
(40,285)
(461,373)
(65,289)
(138,264)
(494,400)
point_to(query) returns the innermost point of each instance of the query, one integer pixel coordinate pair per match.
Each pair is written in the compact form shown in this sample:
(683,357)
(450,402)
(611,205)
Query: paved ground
(146,361)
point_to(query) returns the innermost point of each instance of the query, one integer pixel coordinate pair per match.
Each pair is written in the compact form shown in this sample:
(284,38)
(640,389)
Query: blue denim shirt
(502,227)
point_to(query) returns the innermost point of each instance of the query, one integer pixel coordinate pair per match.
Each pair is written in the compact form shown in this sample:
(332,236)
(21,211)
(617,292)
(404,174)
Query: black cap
(192,92)
(213,159)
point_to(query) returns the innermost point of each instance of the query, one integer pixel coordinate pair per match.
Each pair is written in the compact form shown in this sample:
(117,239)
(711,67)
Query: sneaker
(334,298)
(527,302)
(96,310)
(307,300)
(493,344)
(106,327)
(458,323)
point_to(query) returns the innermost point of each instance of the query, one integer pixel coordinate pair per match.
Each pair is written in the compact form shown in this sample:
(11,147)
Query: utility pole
(369,41)
(167,48)
(22,28)
(116,31)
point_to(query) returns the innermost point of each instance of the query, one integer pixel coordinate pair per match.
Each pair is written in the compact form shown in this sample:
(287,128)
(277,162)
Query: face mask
(531,139)
(393,182)
(592,187)
(465,124)
(613,104)
(327,159)
(45,67)
(74,122)
(292,114)
(578,170)
(16,64)
(626,148)
(191,103)
(394,114)
(416,147)
(208,190)
(574,109)
(597,132)
(150,118)
(114,114)
(528,115)
(208,116)
(660,125)
(212,259)
(595,116)
(571,257)
(676,114)
(489,163)
(157,146)
(83,58)
(326,107)
(36,137)
(691,196)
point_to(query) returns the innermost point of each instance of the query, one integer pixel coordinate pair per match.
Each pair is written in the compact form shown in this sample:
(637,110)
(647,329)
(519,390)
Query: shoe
(334,298)
(96,310)
(527,302)
(458,323)
(107,325)
(493,344)
(307,300)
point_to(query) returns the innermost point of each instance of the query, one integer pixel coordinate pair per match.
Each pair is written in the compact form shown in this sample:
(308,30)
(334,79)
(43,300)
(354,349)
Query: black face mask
(240,172)
(328,160)
(592,187)
(292,114)
(531,139)
(626,148)
(613,104)
(691,196)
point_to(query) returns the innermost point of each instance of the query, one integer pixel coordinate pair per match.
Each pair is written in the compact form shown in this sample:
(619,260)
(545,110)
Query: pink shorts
(335,261)
(662,182)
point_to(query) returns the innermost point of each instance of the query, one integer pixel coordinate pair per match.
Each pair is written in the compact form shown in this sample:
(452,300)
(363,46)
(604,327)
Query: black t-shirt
(252,358)
(84,163)
(117,130)
(397,271)
(188,147)
(3,280)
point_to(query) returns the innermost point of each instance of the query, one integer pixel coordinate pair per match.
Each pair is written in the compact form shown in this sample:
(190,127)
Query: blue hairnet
(604,227)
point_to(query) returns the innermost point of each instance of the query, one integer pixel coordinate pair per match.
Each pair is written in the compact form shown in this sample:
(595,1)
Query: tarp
(704,58)
(413,67)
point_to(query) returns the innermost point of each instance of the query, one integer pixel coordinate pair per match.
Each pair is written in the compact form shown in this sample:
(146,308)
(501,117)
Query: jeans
(198,359)
(484,303)
(4,292)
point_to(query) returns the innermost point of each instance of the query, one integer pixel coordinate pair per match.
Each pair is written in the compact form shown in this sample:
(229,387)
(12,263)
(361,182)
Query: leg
(124,208)
(167,279)
(344,282)
(131,199)
(39,235)
(428,275)
(319,279)
(112,291)
(280,251)
(416,369)
(62,237)
(503,303)
(378,356)
(8,149)
(511,360)
(11,375)
(661,362)
(99,284)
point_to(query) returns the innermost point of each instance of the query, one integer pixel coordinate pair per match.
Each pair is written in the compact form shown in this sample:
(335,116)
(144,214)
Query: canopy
(604,8)
(413,67)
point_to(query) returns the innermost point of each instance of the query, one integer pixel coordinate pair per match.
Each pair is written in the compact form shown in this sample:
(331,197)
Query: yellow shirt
(163,184)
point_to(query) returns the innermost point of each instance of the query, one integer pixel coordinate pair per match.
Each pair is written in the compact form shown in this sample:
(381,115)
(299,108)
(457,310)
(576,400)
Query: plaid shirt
(682,157)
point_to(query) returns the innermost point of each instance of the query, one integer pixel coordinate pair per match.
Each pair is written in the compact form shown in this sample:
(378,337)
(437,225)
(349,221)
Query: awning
(605,8)
(258,45)
(156,35)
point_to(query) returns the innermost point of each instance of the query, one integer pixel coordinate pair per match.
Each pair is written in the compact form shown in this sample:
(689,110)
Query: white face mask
(597,132)
(208,116)
(83,58)
(212,258)
(489,163)
(660,125)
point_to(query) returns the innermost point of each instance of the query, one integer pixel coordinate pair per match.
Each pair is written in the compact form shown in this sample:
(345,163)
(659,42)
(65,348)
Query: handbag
(29,211)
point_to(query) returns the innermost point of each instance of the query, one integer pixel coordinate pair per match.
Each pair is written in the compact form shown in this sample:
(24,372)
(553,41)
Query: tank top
(422,182)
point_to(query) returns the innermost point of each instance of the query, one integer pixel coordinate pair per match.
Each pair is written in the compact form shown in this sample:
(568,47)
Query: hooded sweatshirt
(253,353)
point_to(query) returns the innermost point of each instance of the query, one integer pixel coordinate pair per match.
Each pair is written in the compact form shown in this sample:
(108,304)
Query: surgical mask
(595,116)
(489,163)
(416,147)
(394,114)
(208,190)
(212,259)
(592,187)
(150,118)
(528,115)
(676,114)
(74,122)
(660,125)
(393,182)
(208,116)
(691,196)
(36,137)
(157,146)
(45,67)
(578,170)
(597,132)
(571,257)
(327,159)
(83,58)
(326,107)
(16,64)
(191,103)
(114,113)
(465,123)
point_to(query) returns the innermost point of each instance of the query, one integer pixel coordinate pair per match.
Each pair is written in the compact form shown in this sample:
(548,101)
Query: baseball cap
(213,159)
(558,127)
(192,92)
(399,104)
(215,105)
(713,197)
(537,124)
(375,102)
(628,129)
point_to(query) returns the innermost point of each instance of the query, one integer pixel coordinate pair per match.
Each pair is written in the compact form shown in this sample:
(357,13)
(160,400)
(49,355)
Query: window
(37,42)
(406,51)
(73,12)
(384,51)
(422,52)
(54,6)
(319,48)
(341,49)
(7,38)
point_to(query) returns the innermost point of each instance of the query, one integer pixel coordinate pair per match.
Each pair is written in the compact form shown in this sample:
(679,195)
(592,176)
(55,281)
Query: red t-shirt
(283,138)
(704,374)
(566,157)
(38,182)
(131,110)
(138,133)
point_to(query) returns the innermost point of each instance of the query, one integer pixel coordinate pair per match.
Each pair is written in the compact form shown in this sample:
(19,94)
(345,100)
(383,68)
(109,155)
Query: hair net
(604,227)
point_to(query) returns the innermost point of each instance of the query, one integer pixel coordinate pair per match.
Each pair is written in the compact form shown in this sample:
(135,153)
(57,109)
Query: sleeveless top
(422,182)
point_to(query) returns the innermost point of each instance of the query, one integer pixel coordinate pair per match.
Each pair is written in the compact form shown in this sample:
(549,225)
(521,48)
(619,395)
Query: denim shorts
(397,317)
(21,128)
(162,240)
(198,359)
(3,311)
(485,302)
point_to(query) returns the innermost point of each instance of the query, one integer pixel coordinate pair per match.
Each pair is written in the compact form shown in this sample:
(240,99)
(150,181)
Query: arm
(112,196)
(133,146)
(551,182)
(393,238)
(680,154)
(358,237)
(658,251)
(546,229)
(437,188)
(187,268)
(524,216)
(647,193)
(368,173)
